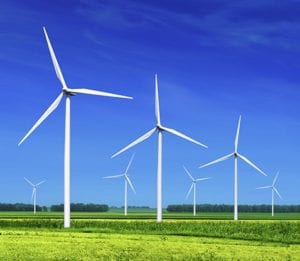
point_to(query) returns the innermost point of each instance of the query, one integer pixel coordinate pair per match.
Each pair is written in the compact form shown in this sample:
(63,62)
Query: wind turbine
(67,93)
(274,189)
(33,195)
(127,181)
(160,129)
(235,155)
(193,186)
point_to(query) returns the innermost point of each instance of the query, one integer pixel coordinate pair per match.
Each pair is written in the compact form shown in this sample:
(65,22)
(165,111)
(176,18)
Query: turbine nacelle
(68,92)
(159,127)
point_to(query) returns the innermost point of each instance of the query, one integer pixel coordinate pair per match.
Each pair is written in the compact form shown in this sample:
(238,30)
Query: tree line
(19,207)
(229,208)
(80,207)
(77,207)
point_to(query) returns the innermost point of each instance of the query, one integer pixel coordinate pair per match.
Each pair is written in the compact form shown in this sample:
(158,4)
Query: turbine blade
(217,160)
(40,183)
(264,187)
(277,192)
(189,192)
(29,182)
(251,164)
(236,143)
(54,61)
(201,179)
(188,173)
(129,164)
(111,177)
(130,184)
(181,135)
(138,140)
(98,93)
(275,179)
(52,107)
(157,110)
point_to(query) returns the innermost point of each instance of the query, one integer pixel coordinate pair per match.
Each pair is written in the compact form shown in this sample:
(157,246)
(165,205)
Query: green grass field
(110,236)
(151,214)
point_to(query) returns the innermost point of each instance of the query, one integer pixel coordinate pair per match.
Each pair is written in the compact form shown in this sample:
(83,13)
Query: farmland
(151,215)
(138,237)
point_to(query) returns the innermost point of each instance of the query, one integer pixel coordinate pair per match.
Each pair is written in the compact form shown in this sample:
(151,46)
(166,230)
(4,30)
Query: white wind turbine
(274,189)
(193,186)
(33,195)
(127,181)
(235,155)
(160,129)
(67,92)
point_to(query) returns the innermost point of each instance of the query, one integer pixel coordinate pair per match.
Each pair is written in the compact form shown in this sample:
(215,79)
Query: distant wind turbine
(33,195)
(274,189)
(235,155)
(193,186)
(127,181)
(160,129)
(67,92)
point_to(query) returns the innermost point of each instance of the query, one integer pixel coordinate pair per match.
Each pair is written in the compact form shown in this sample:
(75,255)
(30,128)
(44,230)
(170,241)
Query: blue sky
(215,60)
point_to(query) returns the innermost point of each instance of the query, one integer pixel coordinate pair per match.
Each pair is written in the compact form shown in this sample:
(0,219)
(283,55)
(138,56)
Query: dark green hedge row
(80,207)
(19,207)
(229,208)
(77,207)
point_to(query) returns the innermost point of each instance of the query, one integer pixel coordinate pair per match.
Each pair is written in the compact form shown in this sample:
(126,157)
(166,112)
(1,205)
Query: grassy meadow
(111,236)
(150,214)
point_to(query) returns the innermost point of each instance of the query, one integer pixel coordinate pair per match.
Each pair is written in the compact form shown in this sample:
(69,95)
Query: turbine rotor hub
(159,127)
(68,92)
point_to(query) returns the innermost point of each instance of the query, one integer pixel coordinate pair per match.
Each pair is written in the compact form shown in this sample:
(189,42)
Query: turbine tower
(127,181)
(67,93)
(193,186)
(33,195)
(274,189)
(235,155)
(160,129)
